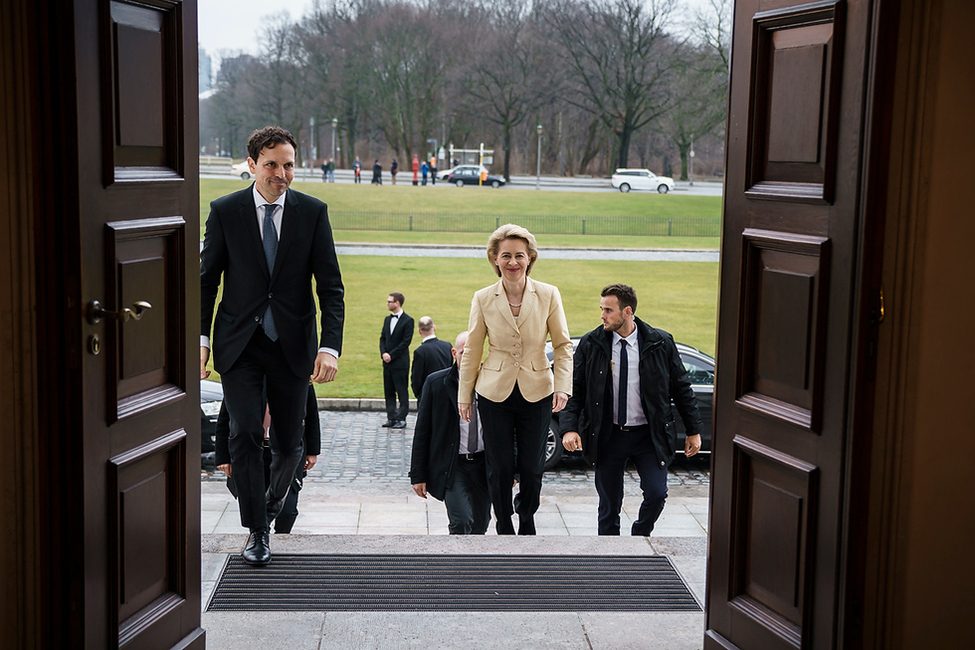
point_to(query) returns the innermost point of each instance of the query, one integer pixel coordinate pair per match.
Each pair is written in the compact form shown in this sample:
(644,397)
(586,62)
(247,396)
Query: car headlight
(211,409)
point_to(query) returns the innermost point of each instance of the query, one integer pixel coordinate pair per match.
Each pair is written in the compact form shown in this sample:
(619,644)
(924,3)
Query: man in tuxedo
(625,374)
(266,243)
(448,453)
(394,346)
(432,355)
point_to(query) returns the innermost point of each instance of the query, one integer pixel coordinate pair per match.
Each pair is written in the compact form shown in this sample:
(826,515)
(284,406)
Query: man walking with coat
(265,243)
(625,374)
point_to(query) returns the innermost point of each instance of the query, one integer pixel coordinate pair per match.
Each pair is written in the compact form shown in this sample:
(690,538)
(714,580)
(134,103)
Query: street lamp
(314,144)
(335,124)
(691,164)
(538,169)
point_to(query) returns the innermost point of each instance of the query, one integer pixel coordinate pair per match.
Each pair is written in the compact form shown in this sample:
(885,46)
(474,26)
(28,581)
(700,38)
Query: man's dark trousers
(396,385)
(467,499)
(614,451)
(286,398)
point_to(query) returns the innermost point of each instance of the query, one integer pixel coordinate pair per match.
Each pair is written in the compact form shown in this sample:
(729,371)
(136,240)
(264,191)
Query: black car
(700,372)
(211,396)
(471,175)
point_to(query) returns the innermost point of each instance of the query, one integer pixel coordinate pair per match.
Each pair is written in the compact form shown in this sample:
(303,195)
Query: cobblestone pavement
(359,455)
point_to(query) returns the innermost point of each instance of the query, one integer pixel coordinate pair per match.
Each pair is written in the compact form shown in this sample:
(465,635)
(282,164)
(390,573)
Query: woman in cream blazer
(516,388)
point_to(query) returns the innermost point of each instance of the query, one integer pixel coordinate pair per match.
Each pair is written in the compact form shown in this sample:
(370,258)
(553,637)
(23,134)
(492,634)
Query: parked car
(241,169)
(700,372)
(211,397)
(641,179)
(471,175)
(444,173)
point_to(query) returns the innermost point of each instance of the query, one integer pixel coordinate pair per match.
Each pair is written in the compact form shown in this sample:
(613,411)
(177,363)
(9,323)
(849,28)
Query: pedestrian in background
(357,169)
(416,168)
(394,348)
(432,355)
(331,170)
(448,453)
(516,389)
(393,170)
(424,168)
(377,173)
(433,169)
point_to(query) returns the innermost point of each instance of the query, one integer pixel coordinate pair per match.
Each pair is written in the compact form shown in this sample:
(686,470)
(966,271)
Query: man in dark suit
(432,355)
(265,243)
(448,453)
(625,374)
(394,346)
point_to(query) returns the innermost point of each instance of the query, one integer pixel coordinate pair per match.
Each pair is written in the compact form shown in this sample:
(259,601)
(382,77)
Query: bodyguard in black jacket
(445,464)
(642,429)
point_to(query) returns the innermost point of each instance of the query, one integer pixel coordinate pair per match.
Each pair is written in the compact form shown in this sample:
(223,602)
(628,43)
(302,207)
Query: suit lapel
(289,229)
(248,217)
(529,301)
(501,303)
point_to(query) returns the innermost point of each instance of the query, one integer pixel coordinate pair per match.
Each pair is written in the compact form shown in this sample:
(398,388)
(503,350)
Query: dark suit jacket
(432,355)
(397,343)
(233,250)
(436,437)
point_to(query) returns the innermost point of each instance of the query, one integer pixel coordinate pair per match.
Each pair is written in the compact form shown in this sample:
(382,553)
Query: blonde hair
(511,231)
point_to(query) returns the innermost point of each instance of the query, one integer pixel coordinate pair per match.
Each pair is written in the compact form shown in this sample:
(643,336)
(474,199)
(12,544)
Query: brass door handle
(96,312)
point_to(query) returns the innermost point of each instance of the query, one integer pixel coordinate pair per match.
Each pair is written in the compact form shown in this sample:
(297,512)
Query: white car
(241,169)
(641,179)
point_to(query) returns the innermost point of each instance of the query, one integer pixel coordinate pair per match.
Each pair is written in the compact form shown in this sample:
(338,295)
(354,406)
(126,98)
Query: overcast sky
(232,26)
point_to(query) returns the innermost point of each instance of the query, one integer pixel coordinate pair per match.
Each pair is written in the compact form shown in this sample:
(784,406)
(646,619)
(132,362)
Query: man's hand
(310,462)
(464,410)
(571,441)
(386,357)
(420,489)
(326,367)
(226,469)
(559,400)
(204,357)
(692,445)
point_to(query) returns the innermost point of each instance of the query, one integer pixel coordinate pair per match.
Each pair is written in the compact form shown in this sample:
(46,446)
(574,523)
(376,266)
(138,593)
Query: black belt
(472,457)
(637,427)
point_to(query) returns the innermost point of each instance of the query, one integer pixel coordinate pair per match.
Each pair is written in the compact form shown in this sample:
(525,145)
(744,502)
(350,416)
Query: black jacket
(436,437)
(662,379)
(432,355)
(397,343)
(233,253)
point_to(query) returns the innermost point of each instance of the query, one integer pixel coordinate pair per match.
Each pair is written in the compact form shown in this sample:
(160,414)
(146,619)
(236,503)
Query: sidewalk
(348,506)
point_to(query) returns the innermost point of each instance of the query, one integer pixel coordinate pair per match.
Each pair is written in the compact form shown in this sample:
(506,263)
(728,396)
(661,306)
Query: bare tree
(620,57)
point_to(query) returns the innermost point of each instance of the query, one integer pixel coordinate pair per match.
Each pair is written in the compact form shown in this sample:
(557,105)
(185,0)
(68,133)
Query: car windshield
(697,371)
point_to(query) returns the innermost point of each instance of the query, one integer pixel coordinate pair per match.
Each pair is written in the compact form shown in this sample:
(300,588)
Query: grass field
(456,207)
(680,297)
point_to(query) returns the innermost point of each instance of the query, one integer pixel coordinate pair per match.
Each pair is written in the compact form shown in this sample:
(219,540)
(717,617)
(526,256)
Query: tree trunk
(624,153)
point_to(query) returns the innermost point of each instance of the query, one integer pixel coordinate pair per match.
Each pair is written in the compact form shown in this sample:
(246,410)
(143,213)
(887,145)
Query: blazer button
(516,364)
(270,295)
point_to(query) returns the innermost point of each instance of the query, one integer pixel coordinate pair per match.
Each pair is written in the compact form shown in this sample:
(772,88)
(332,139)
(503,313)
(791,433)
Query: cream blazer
(516,350)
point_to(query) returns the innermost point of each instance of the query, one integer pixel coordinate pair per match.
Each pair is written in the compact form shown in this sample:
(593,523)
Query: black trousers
(514,438)
(395,383)
(614,451)
(263,361)
(467,499)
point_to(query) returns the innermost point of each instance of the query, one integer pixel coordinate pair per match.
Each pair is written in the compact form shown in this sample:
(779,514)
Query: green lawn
(680,297)
(358,207)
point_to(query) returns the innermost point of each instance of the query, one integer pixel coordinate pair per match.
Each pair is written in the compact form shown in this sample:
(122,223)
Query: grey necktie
(270,252)
(621,412)
(472,430)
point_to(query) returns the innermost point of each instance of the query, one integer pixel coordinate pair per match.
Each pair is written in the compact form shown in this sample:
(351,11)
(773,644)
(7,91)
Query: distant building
(204,71)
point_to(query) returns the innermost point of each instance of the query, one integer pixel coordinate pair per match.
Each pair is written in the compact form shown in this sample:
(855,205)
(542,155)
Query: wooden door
(130,168)
(793,270)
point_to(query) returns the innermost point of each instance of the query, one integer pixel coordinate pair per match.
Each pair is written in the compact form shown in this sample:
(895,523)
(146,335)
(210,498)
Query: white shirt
(465,431)
(394,321)
(634,408)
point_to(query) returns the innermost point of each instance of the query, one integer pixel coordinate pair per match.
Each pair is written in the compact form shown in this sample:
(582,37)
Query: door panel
(789,265)
(138,199)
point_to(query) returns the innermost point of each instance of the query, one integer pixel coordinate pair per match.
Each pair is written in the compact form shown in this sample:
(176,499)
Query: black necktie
(270,252)
(472,430)
(621,411)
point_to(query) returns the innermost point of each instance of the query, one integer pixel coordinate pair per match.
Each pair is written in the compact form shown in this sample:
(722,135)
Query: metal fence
(549,224)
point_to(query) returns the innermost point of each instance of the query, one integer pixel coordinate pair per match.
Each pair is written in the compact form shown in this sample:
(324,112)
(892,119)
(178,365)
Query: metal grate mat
(528,583)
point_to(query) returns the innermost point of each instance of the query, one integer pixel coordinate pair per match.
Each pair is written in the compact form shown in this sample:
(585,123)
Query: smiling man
(266,243)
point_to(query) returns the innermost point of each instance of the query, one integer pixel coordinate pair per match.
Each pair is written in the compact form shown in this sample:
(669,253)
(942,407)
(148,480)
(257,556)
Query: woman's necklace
(513,304)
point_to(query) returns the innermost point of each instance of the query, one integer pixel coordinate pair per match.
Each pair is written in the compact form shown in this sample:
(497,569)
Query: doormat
(480,583)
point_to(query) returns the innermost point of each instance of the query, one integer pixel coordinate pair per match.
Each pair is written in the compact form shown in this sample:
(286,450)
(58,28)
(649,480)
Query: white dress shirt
(634,407)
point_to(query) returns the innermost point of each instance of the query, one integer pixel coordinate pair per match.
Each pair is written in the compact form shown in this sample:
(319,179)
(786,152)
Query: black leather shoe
(399,424)
(526,526)
(258,549)
(389,423)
